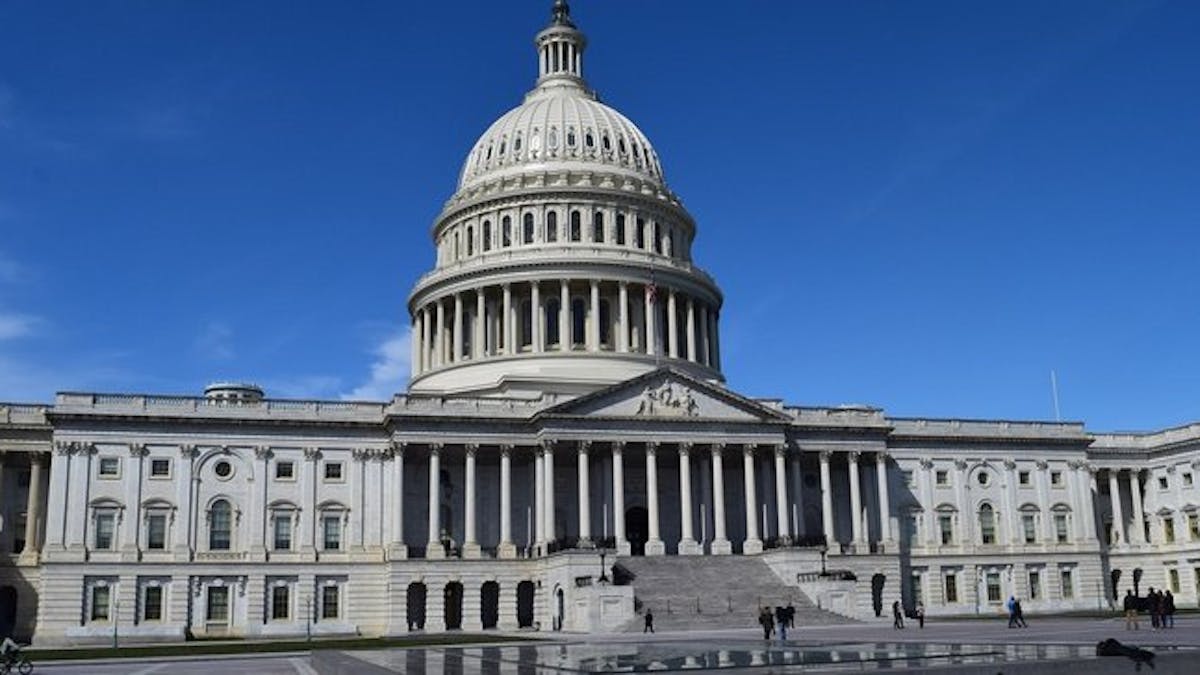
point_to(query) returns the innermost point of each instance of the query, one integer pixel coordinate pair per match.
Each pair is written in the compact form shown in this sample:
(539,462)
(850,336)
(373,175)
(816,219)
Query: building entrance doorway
(489,604)
(416,606)
(8,611)
(637,529)
(453,596)
(525,591)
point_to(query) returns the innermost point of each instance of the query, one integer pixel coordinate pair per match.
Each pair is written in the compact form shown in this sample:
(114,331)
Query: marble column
(797,505)
(720,543)
(704,341)
(623,317)
(672,327)
(1120,537)
(687,540)
(752,544)
(827,500)
(1138,533)
(535,316)
(564,316)
(479,341)
(539,500)
(654,543)
(649,319)
(414,354)
(397,549)
(885,507)
(506,327)
(782,515)
(470,546)
(548,475)
(439,349)
(856,516)
(585,499)
(33,508)
(594,315)
(433,549)
(458,328)
(618,486)
(426,340)
(690,326)
(506,548)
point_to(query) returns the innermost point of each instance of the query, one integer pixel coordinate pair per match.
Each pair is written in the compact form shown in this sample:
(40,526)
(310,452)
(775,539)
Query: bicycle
(16,663)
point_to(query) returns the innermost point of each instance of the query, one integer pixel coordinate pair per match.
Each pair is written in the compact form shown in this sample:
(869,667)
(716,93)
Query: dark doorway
(416,606)
(559,609)
(877,583)
(1115,575)
(637,529)
(8,611)
(525,592)
(453,595)
(490,604)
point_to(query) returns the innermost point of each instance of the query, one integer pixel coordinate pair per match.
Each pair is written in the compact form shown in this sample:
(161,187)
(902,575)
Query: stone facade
(567,402)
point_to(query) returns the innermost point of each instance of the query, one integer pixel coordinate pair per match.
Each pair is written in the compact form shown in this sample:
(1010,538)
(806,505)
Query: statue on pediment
(667,401)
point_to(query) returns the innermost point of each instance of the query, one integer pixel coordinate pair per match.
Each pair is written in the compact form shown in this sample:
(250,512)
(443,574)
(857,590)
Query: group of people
(1016,615)
(898,615)
(1159,605)
(781,617)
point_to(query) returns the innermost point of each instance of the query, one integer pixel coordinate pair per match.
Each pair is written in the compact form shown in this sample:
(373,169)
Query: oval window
(223,469)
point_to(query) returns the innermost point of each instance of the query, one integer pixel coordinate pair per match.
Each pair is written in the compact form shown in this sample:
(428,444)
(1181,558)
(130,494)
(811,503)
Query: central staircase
(713,592)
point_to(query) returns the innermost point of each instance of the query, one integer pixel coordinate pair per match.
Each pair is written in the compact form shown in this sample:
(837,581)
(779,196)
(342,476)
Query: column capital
(188,451)
(748,449)
(617,447)
(926,462)
(262,452)
(651,447)
(471,448)
(853,456)
(882,456)
(506,449)
(1010,463)
(781,449)
(436,448)
(1042,464)
(38,458)
(716,448)
(312,453)
(398,448)
(960,464)
(825,455)
(685,448)
(547,445)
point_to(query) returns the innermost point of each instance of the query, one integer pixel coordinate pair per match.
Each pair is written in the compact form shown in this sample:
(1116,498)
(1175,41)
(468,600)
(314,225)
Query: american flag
(651,292)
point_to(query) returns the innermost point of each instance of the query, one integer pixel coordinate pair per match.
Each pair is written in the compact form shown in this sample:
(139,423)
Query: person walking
(1131,611)
(1011,606)
(1152,606)
(791,615)
(1168,610)
(782,620)
(764,620)
(1019,614)
(920,614)
(897,616)
(649,625)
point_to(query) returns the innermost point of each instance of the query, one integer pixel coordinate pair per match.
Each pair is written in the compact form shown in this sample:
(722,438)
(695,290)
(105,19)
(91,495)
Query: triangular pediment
(667,394)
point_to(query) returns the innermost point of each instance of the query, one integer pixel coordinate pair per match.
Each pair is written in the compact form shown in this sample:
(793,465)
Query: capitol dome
(563,260)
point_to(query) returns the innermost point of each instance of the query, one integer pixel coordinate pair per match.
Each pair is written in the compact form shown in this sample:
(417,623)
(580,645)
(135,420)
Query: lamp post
(824,549)
(116,619)
(308,618)
(603,567)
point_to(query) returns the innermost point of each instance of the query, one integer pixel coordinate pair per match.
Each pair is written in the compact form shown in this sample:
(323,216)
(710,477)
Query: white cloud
(214,341)
(389,371)
(16,325)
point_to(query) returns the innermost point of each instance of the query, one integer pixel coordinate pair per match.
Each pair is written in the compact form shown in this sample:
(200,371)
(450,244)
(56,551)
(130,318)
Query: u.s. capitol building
(566,399)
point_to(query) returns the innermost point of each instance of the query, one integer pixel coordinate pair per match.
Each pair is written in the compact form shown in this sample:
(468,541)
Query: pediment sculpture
(667,401)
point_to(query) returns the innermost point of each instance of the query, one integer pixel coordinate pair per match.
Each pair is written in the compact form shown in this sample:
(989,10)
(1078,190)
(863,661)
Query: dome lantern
(560,49)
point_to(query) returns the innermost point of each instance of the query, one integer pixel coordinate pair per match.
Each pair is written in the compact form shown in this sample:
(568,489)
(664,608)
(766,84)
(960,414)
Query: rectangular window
(331,530)
(333,470)
(1194,526)
(285,470)
(1060,528)
(283,531)
(1035,584)
(1023,477)
(156,531)
(1029,525)
(620,230)
(1173,579)
(942,476)
(105,524)
(218,604)
(160,467)
(951,587)
(946,526)
(1068,583)
(1187,480)
(1056,478)
(1162,483)
(110,467)
(917,590)
(100,598)
(1169,530)
(152,601)
(279,603)
(329,602)
(992,580)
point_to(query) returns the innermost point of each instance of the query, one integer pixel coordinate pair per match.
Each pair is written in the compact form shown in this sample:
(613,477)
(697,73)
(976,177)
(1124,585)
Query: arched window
(552,226)
(526,324)
(576,226)
(987,524)
(470,240)
(598,227)
(656,237)
(640,234)
(620,234)
(671,243)
(506,232)
(552,311)
(578,321)
(487,236)
(220,525)
(527,229)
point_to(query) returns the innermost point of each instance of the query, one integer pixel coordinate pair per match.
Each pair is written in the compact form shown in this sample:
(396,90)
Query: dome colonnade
(563,260)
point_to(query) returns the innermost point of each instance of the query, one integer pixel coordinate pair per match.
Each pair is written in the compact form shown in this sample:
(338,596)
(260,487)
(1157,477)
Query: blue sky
(925,206)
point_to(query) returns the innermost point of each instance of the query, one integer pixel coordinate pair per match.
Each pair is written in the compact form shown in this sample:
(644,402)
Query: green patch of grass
(202,647)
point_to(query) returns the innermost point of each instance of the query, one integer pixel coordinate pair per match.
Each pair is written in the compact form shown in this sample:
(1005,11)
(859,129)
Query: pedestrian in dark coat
(1152,607)
(897,615)
(764,620)
(1168,610)
(1019,614)
(649,625)
(1131,611)
(920,614)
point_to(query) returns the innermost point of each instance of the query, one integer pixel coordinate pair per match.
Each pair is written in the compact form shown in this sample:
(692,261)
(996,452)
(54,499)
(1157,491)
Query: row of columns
(544,525)
(33,501)
(858,524)
(441,326)
(1118,518)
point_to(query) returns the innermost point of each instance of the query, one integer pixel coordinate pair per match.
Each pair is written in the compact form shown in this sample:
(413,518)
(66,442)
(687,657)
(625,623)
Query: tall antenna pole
(1054,393)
